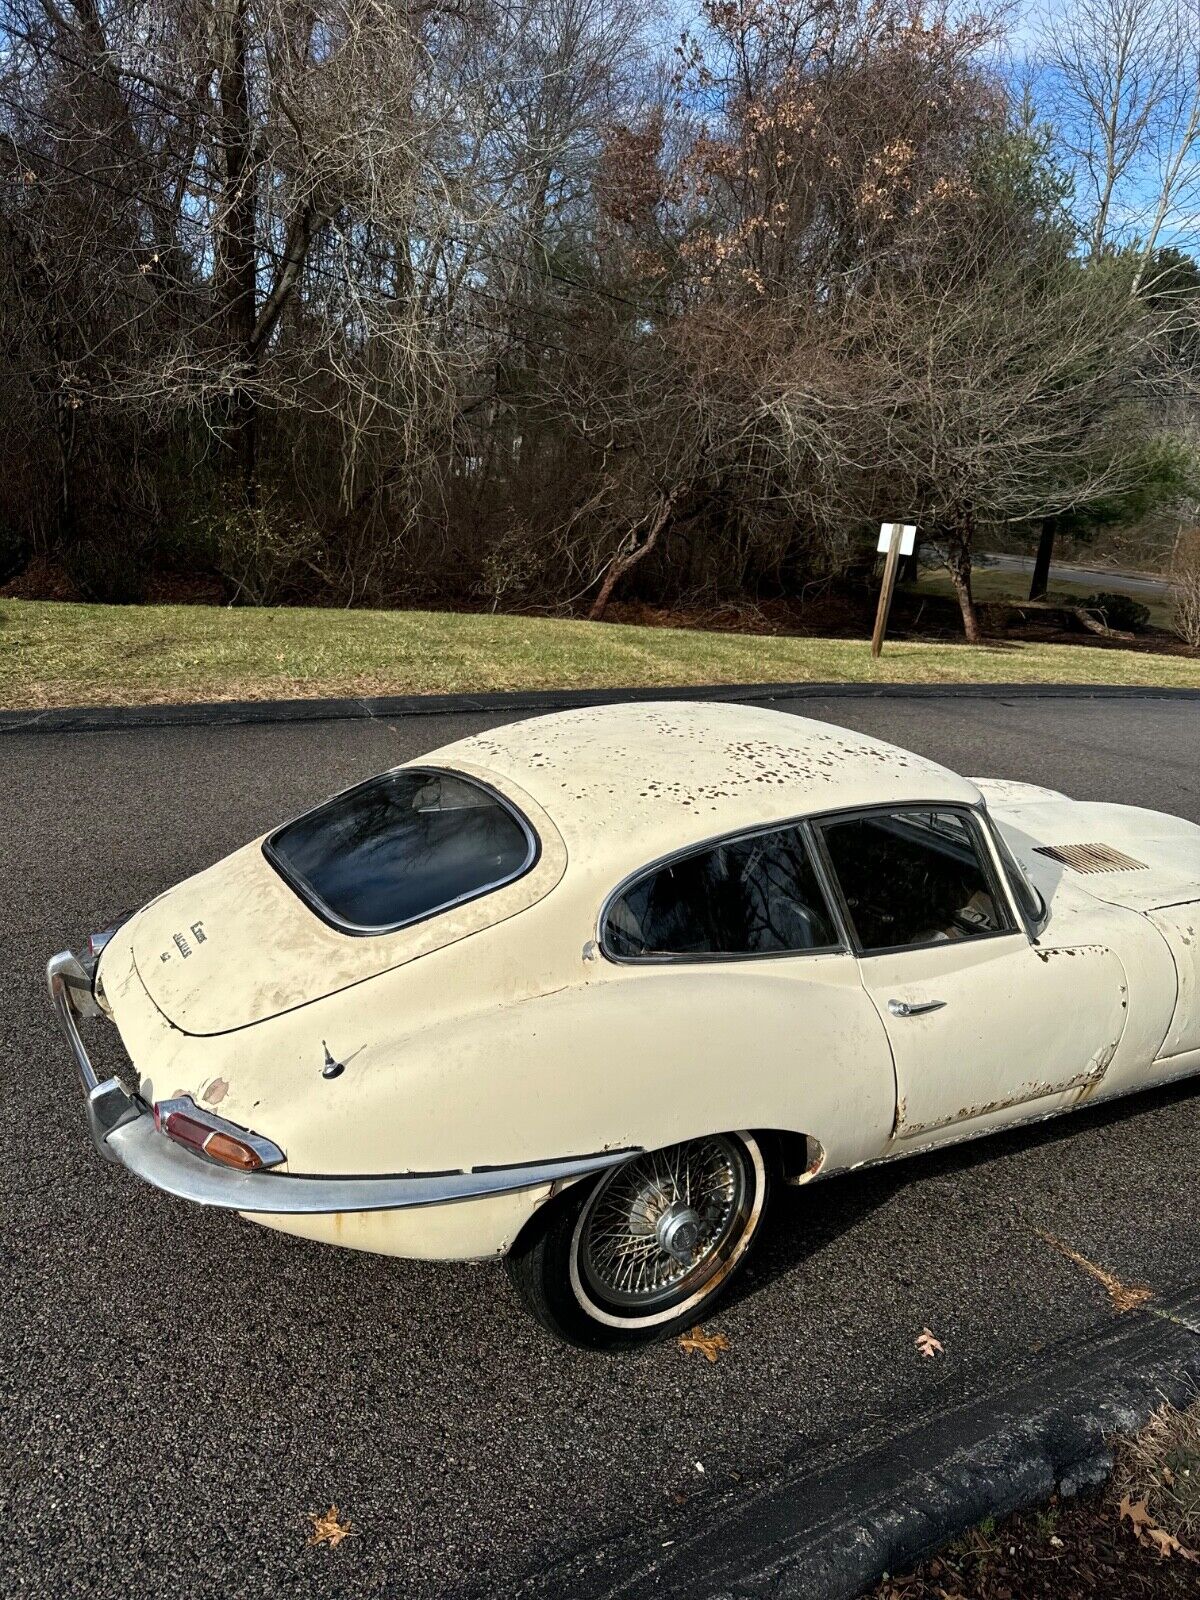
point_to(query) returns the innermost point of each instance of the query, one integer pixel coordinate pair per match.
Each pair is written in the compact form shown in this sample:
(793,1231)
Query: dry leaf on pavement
(928,1345)
(328,1528)
(709,1345)
(1124,1296)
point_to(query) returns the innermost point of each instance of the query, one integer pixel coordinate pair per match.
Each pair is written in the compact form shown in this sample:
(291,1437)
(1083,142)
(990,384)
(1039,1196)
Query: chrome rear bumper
(109,1104)
(123,1131)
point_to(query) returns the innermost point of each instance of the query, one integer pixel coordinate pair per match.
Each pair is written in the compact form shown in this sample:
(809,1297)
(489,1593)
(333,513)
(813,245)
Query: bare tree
(1124,97)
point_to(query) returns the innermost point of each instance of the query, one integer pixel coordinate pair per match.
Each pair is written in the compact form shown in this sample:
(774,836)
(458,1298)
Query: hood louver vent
(1090,857)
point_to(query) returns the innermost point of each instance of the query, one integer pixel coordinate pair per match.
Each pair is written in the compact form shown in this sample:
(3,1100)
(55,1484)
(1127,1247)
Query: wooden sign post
(896,539)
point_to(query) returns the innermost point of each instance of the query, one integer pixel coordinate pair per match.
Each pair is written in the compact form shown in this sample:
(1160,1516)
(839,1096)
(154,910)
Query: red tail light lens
(218,1144)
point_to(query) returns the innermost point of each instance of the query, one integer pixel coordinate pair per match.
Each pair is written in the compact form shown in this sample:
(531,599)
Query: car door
(755,989)
(980,1020)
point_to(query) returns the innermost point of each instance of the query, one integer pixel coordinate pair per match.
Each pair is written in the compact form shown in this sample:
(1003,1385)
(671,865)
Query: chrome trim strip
(160,1161)
(123,1131)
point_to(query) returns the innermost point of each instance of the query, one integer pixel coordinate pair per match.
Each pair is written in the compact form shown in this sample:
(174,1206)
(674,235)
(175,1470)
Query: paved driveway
(178,1388)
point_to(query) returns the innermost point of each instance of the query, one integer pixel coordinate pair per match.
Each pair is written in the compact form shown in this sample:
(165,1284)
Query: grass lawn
(54,654)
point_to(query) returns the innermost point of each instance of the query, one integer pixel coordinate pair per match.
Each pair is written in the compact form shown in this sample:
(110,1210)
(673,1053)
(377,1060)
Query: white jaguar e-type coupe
(577,992)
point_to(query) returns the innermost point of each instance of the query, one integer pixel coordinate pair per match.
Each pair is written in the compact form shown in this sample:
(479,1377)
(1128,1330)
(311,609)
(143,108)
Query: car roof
(627,783)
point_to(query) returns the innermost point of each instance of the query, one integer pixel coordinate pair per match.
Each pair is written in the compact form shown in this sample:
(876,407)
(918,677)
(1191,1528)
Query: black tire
(554,1263)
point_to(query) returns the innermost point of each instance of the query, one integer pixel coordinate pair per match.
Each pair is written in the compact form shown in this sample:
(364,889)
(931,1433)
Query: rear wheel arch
(646,1249)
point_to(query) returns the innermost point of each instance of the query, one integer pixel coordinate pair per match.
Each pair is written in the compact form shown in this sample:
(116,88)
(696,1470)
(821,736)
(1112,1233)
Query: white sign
(908,537)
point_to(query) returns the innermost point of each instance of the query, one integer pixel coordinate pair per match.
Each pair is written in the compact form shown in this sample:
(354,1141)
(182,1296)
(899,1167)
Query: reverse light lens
(226,1148)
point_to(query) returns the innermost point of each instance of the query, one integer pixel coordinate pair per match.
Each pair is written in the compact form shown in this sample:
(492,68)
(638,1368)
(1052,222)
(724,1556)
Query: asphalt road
(1104,580)
(177,1388)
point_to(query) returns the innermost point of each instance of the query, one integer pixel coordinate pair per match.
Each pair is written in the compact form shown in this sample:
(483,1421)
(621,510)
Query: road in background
(179,1388)
(1100,580)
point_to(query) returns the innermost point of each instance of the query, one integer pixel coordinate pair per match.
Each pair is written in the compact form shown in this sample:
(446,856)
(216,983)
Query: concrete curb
(235,713)
(826,1530)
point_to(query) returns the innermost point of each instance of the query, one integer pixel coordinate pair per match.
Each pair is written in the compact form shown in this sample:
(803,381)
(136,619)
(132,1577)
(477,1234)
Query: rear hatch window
(402,847)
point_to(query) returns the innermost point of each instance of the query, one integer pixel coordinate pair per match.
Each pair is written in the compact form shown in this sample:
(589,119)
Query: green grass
(56,654)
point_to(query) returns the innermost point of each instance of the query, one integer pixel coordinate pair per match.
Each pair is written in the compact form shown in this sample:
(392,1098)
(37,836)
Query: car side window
(913,877)
(752,896)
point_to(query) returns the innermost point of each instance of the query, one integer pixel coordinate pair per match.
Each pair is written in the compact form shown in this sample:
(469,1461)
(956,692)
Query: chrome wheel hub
(656,1229)
(679,1231)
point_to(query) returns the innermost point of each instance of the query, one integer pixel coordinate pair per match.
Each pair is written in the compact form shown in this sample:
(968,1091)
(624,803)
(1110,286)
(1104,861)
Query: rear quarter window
(402,847)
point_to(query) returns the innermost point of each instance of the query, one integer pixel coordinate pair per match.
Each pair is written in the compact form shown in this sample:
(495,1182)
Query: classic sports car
(578,992)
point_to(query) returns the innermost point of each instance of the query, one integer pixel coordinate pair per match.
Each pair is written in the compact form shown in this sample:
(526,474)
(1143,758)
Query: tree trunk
(959,561)
(623,561)
(239,265)
(1041,565)
(67,524)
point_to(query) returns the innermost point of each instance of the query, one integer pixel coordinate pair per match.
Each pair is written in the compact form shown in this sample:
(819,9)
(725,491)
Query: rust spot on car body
(1085,1083)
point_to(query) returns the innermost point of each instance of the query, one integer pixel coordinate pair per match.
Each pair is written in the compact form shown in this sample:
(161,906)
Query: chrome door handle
(906,1008)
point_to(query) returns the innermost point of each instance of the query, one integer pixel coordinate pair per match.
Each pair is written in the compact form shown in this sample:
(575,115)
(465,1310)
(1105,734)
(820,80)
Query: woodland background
(508,303)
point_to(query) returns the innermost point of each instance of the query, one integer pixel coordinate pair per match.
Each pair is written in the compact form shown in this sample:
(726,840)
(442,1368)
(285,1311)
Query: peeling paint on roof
(633,779)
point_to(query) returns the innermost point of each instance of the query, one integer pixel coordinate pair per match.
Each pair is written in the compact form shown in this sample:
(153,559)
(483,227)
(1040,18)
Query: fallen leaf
(1167,1544)
(928,1345)
(709,1345)
(1135,1511)
(1124,1296)
(328,1528)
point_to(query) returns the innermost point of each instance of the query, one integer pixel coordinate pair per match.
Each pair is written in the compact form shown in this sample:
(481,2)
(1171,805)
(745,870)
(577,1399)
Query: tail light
(185,1122)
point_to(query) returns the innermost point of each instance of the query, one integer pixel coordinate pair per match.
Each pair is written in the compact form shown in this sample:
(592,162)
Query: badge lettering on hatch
(181,943)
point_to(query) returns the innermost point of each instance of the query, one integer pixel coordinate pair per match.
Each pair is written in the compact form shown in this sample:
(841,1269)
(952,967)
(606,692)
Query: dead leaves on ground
(928,1345)
(708,1345)
(1137,1514)
(328,1528)
(1124,1296)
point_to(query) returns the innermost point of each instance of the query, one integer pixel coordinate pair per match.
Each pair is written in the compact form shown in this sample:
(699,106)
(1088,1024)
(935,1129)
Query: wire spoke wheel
(661,1231)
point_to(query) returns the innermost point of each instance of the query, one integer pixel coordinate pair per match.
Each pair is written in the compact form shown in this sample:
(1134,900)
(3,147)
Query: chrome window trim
(1034,926)
(709,957)
(361,930)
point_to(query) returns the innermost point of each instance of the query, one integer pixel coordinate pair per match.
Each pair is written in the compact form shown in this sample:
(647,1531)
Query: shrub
(1120,611)
(112,574)
(510,565)
(14,553)
(266,555)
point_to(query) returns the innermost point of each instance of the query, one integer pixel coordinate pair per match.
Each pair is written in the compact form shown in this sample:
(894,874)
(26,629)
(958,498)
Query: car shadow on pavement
(806,1219)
